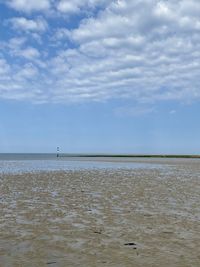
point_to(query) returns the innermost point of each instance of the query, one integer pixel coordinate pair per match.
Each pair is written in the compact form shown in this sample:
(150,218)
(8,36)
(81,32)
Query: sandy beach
(102,217)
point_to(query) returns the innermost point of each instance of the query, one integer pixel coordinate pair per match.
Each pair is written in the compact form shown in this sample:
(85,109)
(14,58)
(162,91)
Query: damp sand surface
(102,217)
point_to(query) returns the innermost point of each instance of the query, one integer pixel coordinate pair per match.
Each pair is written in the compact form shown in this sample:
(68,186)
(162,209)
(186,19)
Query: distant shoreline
(128,156)
(24,156)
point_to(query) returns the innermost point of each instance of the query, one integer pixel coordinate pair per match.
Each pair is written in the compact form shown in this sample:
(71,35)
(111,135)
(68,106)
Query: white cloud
(190,8)
(61,34)
(17,47)
(23,24)
(29,71)
(68,7)
(16,42)
(15,81)
(76,6)
(4,67)
(29,53)
(29,5)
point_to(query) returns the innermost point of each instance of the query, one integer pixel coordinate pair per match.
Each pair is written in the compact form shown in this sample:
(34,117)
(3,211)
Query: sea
(36,162)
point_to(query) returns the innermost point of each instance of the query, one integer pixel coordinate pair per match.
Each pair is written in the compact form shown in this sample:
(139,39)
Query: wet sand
(141,217)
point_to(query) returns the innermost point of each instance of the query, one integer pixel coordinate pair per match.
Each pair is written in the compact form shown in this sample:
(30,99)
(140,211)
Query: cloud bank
(72,51)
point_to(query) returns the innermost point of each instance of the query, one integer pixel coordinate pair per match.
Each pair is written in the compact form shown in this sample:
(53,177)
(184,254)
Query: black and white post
(58,150)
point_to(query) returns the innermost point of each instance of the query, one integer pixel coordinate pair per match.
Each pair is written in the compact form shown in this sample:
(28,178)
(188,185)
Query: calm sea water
(27,156)
(20,163)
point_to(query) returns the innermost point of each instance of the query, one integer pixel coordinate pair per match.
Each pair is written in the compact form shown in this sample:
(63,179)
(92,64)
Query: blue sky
(100,76)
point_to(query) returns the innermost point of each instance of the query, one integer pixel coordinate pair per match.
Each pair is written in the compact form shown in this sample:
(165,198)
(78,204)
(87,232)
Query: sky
(100,76)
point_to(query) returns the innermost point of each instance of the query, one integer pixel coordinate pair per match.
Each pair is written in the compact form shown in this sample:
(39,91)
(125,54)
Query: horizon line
(142,155)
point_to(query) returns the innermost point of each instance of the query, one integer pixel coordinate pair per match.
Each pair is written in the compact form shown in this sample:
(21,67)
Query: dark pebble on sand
(130,244)
(97,232)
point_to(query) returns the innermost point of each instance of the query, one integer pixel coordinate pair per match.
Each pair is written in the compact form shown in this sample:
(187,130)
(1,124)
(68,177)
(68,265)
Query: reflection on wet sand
(121,217)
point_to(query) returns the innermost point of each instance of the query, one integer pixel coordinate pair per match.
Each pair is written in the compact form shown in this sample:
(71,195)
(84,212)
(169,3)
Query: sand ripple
(141,217)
